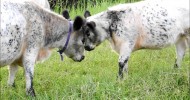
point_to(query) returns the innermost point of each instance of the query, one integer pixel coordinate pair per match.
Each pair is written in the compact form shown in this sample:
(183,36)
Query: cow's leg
(125,52)
(180,51)
(123,65)
(12,71)
(188,41)
(29,59)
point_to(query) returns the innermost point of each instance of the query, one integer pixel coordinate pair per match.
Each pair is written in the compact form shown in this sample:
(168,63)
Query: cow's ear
(87,14)
(65,14)
(78,23)
(91,24)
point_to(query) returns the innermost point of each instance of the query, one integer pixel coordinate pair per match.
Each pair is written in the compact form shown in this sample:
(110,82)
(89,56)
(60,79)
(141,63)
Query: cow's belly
(159,41)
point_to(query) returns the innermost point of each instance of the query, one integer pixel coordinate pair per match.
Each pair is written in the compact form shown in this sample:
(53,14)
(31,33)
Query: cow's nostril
(82,57)
(88,48)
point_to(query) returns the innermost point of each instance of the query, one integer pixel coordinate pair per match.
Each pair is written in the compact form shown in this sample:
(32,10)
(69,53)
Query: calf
(26,28)
(150,24)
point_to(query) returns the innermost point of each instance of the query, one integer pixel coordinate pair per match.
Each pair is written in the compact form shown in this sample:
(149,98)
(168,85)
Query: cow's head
(92,30)
(75,47)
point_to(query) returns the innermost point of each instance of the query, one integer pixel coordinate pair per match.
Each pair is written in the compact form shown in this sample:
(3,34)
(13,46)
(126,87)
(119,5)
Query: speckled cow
(25,29)
(150,24)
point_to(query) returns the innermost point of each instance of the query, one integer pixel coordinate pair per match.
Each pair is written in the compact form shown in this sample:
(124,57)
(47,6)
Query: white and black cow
(150,24)
(26,28)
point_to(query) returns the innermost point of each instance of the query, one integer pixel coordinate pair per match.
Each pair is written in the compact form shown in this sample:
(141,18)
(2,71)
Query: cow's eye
(87,33)
(83,40)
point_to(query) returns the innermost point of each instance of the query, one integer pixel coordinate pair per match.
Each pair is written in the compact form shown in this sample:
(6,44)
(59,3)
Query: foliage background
(81,4)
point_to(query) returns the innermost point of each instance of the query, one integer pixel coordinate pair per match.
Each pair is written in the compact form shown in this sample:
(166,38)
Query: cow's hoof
(31,92)
(12,85)
(176,66)
(120,77)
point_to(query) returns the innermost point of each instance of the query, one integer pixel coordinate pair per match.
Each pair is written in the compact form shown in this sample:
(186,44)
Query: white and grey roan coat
(150,24)
(43,53)
(25,29)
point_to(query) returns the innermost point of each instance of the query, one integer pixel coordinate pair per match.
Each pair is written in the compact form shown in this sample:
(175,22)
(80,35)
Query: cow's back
(161,24)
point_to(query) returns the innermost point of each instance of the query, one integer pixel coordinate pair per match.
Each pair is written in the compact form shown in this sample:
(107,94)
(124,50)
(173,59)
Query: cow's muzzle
(88,48)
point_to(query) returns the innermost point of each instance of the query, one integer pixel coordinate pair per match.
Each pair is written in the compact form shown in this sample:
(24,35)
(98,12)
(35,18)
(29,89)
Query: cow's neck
(107,30)
(56,30)
(102,25)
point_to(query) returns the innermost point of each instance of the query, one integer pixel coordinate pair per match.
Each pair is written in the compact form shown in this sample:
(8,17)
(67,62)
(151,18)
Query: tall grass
(151,75)
(58,5)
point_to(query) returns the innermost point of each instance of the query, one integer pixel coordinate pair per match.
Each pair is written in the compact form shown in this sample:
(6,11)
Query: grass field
(151,76)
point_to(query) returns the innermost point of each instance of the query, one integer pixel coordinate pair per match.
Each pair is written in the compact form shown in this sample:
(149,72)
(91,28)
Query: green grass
(151,76)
